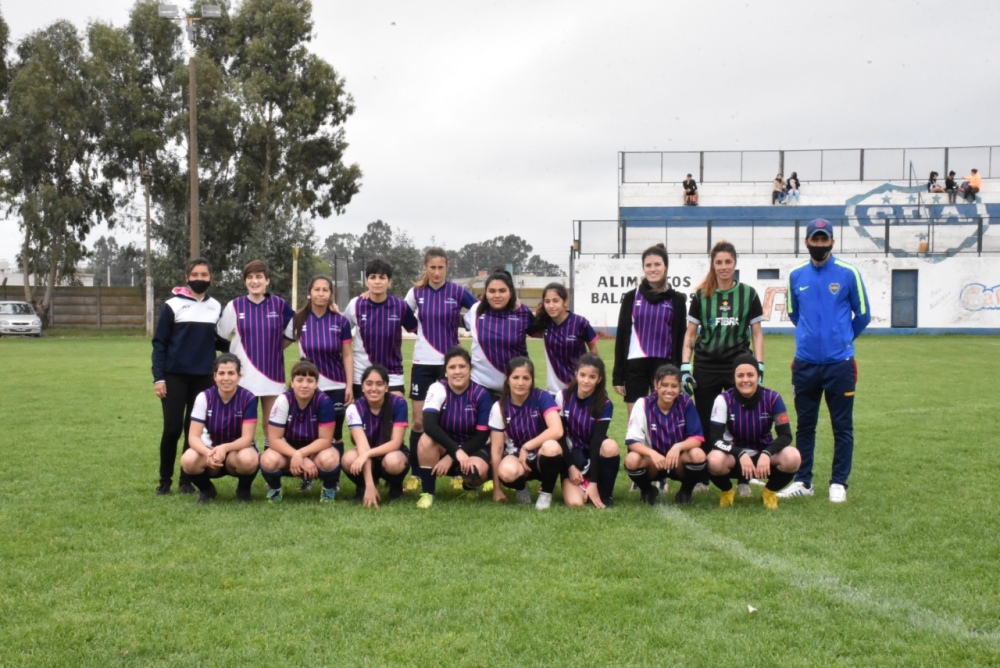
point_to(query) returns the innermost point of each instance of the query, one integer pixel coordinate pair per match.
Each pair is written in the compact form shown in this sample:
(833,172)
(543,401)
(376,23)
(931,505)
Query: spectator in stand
(778,194)
(690,191)
(951,187)
(932,184)
(971,189)
(793,188)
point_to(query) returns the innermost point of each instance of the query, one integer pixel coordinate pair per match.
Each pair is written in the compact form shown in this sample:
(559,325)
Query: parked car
(19,318)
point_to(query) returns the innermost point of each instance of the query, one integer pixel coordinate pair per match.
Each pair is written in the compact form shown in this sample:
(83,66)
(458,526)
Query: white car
(19,318)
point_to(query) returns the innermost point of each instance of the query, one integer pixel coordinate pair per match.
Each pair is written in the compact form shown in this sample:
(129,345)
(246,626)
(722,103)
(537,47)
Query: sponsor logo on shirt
(393,317)
(272,314)
(725,322)
(449,300)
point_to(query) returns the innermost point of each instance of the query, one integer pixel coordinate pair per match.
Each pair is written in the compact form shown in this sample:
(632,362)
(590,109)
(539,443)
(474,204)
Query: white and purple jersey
(257,332)
(523,422)
(359,415)
(322,342)
(579,422)
(661,431)
(302,425)
(652,328)
(461,415)
(378,334)
(749,429)
(565,344)
(497,338)
(224,420)
(438,315)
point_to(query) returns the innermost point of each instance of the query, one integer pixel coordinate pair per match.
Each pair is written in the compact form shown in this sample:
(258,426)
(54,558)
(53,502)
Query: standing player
(456,428)
(499,326)
(828,305)
(724,318)
(742,444)
(325,340)
(377,420)
(525,436)
(257,326)
(437,304)
(593,459)
(379,319)
(300,431)
(566,336)
(223,423)
(184,348)
(650,328)
(664,439)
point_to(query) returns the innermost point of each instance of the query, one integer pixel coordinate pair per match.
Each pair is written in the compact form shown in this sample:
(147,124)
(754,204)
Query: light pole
(207,12)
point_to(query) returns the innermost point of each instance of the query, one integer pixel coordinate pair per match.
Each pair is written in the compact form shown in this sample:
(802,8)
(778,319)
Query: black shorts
(222,471)
(639,374)
(482,453)
(378,473)
(393,389)
(337,397)
(532,474)
(422,376)
(581,460)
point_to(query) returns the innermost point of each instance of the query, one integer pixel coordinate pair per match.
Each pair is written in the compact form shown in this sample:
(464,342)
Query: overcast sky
(476,119)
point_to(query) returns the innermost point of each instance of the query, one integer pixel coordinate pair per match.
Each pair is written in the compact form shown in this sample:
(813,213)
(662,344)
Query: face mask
(819,253)
(199,287)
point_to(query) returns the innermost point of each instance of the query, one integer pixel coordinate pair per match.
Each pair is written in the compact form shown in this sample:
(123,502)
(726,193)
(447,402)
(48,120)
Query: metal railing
(857,164)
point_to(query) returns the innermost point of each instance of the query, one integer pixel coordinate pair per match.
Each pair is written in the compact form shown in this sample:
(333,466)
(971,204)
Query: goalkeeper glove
(688,383)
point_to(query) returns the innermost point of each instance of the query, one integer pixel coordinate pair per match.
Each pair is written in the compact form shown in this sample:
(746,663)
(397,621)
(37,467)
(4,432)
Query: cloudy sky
(478,118)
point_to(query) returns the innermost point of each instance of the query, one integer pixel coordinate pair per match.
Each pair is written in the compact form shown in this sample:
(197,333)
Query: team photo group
(691,372)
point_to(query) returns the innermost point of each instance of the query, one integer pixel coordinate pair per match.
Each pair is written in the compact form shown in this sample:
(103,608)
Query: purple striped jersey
(564,345)
(749,428)
(523,422)
(379,334)
(652,328)
(302,425)
(224,420)
(359,415)
(322,341)
(438,315)
(259,333)
(652,427)
(497,338)
(579,423)
(461,415)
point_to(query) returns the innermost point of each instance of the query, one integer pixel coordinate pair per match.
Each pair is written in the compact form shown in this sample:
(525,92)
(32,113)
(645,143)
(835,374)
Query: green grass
(97,570)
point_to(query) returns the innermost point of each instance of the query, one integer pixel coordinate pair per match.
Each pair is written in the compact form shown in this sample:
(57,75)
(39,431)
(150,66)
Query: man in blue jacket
(828,305)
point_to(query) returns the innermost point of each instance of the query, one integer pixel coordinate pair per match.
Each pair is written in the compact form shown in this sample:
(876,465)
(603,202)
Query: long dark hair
(513,365)
(542,318)
(303,313)
(385,415)
(711,282)
(660,251)
(600,394)
(503,275)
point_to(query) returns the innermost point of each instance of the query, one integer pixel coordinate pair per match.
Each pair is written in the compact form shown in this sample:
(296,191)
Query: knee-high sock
(414,440)
(549,469)
(427,479)
(723,482)
(692,476)
(330,477)
(607,476)
(272,478)
(245,481)
(358,480)
(396,479)
(340,450)
(641,479)
(778,479)
(200,480)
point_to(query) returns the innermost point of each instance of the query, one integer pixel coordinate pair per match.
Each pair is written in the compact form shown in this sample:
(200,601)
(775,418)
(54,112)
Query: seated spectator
(690,191)
(951,187)
(932,184)
(793,188)
(971,188)
(778,194)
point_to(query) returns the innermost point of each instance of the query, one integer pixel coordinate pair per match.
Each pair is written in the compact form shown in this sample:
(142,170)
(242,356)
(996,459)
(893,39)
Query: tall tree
(4,45)
(536,266)
(47,150)
(121,263)
(496,252)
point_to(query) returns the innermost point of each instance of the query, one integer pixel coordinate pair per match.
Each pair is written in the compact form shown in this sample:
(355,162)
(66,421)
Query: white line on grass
(810,576)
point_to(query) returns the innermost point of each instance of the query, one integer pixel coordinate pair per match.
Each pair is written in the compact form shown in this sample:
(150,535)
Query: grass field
(97,570)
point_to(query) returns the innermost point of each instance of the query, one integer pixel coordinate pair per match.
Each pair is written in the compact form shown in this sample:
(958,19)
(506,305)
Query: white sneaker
(758,482)
(523,495)
(796,489)
(743,489)
(838,493)
(544,501)
(699,488)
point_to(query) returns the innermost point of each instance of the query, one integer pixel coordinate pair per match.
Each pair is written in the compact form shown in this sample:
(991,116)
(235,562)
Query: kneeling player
(456,428)
(223,422)
(664,439)
(525,436)
(742,418)
(377,421)
(300,436)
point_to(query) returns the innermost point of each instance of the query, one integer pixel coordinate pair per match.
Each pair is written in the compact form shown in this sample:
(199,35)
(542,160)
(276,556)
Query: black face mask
(819,253)
(199,287)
